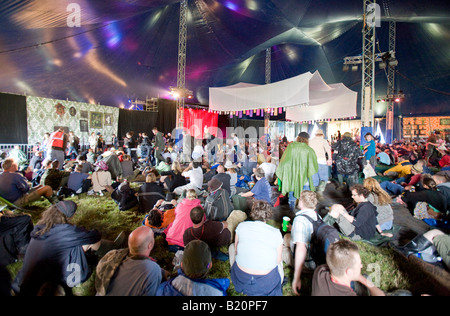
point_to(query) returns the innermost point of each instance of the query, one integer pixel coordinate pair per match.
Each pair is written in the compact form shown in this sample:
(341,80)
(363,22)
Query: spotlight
(382,65)
(355,68)
(397,100)
(393,62)
(345,68)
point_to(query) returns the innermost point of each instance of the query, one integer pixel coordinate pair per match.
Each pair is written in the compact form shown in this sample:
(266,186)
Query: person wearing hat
(231,170)
(192,278)
(322,148)
(101,179)
(296,168)
(217,204)
(59,252)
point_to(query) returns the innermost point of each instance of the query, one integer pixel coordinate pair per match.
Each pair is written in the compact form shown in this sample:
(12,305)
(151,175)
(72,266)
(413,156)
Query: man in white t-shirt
(296,244)
(269,169)
(195,174)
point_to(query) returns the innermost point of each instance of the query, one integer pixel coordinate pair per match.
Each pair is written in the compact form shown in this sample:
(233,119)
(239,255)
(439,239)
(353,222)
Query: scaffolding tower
(268,72)
(181,74)
(368,64)
(390,76)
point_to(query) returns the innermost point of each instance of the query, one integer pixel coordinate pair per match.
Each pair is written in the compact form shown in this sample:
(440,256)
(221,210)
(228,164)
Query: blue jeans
(392,188)
(293,199)
(321,175)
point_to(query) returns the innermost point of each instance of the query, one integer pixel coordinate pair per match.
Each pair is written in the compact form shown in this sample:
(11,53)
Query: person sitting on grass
(192,278)
(256,254)
(54,177)
(79,182)
(161,216)
(150,193)
(14,186)
(382,201)
(130,271)
(60,253)
(260,191)
(124,196)
(174,233)
(343,269)
(214,233)
(362,222)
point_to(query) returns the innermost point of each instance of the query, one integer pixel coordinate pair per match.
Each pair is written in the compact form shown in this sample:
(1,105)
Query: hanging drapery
(306,97)
(196,120)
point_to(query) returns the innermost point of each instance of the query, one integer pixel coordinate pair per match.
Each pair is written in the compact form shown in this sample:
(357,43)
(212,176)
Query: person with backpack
(309,239)
(217,204)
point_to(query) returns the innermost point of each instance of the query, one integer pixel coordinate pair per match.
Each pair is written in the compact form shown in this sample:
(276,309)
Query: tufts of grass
(386,268)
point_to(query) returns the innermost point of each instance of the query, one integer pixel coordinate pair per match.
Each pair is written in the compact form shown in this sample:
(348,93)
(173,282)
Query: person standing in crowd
(74,142)
(57,144)
(296,168)
(115,141)
(322,148)
(370,150)
(129,145)
(159,145)
(347,154)
(93,142)
(145,147)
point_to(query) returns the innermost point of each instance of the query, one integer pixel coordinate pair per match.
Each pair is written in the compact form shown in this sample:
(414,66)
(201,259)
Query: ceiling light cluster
(177,93)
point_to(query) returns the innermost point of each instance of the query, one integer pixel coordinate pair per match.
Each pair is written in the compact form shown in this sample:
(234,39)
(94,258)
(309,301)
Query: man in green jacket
(296,168)
(159,145)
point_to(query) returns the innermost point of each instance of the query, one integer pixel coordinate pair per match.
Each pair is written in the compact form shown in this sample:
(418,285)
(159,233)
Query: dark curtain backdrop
(236,122)
(13,119)
(143,121)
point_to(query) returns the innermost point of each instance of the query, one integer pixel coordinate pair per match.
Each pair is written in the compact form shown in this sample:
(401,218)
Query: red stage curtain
(196,120)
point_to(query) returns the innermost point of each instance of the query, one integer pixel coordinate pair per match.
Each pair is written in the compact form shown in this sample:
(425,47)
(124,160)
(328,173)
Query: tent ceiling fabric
(306,97)
(128,49)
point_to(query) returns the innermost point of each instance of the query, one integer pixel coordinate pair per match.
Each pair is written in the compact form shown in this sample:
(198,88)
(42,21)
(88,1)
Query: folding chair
(8,203)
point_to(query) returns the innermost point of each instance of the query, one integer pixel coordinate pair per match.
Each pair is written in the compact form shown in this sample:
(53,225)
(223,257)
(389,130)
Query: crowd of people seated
(200,203)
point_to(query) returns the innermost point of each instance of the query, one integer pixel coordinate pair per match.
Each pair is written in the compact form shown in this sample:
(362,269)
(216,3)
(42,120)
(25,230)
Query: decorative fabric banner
(305,98)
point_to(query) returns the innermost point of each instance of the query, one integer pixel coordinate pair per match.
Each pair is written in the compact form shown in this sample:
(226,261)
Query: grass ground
(385,267)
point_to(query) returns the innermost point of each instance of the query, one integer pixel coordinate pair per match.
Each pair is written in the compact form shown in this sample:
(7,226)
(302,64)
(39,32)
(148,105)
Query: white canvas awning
(306,97)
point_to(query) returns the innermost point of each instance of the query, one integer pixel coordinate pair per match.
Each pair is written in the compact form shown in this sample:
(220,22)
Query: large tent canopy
(128,49)
(306,97)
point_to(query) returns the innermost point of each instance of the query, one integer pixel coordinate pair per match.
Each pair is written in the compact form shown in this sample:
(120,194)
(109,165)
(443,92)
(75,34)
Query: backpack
(218,206)
(322,237)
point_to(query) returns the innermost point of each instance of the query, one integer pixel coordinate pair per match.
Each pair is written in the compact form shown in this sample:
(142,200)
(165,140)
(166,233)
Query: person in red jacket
(56,146)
